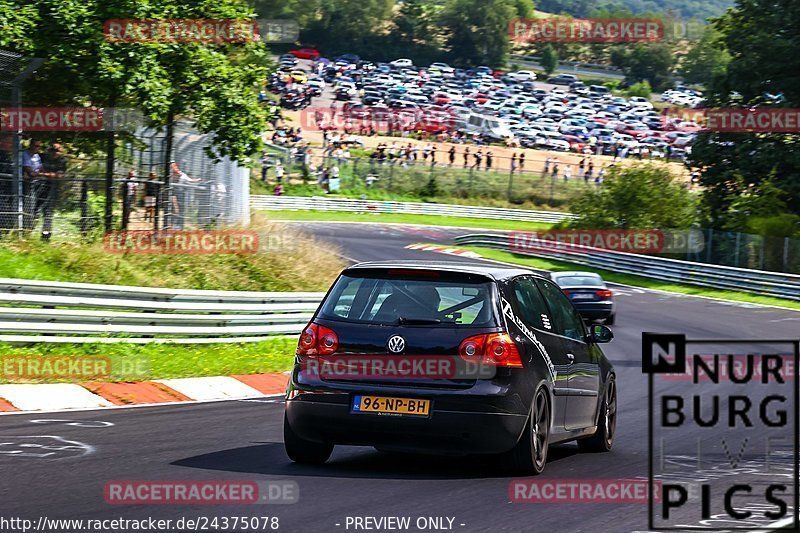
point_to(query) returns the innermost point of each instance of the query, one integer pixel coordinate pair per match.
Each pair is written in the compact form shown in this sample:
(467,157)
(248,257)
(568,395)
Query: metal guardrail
(54,312)
(686,272)
(319,203)
(572,67)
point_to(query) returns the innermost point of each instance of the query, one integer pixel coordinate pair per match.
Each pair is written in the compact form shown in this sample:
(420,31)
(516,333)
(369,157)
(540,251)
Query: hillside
(686,9)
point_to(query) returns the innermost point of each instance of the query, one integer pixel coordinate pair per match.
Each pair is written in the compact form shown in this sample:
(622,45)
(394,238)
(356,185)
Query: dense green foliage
(462,32)
(683,8)
(216,84)
(742,170)
(638,197)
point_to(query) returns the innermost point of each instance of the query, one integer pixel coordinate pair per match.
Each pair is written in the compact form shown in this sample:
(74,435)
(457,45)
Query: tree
(215,84)
(645,196)
(761,38)
(641,88)
(707,59)
(413,22)
(549,59)
(477,31)
(652,62)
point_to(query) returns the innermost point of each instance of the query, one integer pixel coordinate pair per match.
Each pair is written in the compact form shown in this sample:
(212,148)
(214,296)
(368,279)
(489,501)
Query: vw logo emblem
(396,344)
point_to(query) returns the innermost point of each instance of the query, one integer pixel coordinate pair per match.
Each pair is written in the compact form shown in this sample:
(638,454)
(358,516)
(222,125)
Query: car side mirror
(601,334)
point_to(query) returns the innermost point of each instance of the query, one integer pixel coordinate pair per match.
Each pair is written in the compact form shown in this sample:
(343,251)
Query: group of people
(41,173)
(554,167)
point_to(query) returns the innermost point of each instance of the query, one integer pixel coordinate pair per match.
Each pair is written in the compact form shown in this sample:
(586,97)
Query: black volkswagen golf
(449,358)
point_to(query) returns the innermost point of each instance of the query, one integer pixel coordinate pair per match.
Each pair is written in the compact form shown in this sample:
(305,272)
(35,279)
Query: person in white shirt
(181,195)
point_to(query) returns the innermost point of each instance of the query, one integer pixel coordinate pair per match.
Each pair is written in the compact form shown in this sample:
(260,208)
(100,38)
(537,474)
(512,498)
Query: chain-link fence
(555,184)
(199,190)
(778,254)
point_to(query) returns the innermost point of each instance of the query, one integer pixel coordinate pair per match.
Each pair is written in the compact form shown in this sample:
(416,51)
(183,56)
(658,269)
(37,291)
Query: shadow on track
(358,462)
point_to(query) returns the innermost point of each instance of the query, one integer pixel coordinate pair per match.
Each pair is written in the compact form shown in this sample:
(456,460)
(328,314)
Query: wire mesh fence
(553,185)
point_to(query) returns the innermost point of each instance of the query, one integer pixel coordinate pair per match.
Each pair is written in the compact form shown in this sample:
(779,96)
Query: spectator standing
(181,194)
(150,194)
(31,177)
(466,156)
(6,183)
(128,194)
(489,158)
(264,166)
(581,167)
(514,162)
(522,162)
(279,171)
(54,167)
(567,172)
(451,155)
(547,165)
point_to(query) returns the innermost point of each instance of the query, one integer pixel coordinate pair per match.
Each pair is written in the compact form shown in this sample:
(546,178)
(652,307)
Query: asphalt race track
(242,440)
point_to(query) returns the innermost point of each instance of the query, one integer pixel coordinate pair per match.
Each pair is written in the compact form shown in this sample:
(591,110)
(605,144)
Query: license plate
(583,296)
(391,406)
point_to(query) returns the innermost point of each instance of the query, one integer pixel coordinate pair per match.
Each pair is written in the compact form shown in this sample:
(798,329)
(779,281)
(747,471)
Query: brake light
(566,292)
(604,293)
(494,348)
(317,340)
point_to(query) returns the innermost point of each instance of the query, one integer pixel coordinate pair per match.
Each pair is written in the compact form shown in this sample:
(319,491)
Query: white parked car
(522,76)
(402,63)
(640,102)
(444,68)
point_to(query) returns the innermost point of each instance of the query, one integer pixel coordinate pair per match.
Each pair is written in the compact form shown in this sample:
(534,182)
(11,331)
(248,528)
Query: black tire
(529,456)
(610,320)
(304,451)
(603,439)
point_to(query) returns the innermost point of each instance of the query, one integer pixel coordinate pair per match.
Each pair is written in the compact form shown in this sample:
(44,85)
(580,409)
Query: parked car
(305,53)
(562,79)
(521,370)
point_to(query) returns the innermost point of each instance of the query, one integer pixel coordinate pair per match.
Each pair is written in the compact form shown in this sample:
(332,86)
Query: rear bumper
(443,432)
(595,310)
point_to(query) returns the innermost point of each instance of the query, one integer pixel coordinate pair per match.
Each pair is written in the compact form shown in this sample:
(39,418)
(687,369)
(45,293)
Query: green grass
(433,220)
(295,263)
(636,281)
(451,185)
(130,362)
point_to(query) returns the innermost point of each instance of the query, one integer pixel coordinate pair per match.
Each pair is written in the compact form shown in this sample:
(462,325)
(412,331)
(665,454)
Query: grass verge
(129,362)
(287,260)
(628,279)
(433,220)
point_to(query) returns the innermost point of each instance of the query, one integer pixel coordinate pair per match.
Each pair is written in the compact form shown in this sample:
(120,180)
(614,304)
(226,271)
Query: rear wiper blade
(403,320)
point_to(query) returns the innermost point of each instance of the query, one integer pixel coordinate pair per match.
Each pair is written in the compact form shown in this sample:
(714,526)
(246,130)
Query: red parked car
(305,53)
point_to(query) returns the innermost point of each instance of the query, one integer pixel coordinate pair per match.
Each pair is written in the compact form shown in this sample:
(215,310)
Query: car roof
(496,272)
(565,273)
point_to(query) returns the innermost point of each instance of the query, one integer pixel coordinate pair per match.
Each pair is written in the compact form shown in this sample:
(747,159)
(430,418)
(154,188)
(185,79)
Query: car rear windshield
(426,298)
(578,281)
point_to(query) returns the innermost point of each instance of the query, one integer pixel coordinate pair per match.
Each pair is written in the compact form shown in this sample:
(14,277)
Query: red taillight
(566,292)
(495,348)
(317,340)
(604,293)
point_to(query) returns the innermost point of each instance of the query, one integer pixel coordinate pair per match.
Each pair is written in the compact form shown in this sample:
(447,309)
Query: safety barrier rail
(672,270)
(45,311)
(320,203)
